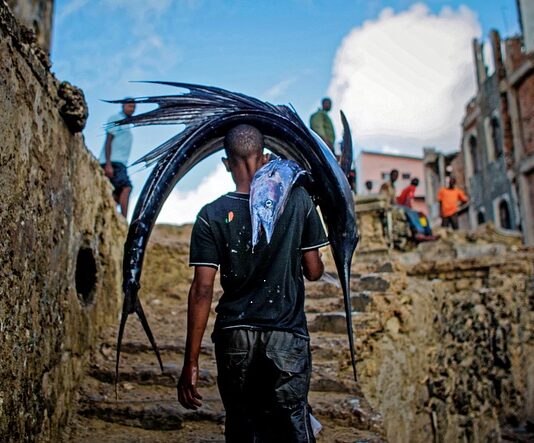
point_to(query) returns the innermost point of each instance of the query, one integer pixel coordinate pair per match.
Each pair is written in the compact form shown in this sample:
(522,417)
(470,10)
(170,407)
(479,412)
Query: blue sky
(283,51)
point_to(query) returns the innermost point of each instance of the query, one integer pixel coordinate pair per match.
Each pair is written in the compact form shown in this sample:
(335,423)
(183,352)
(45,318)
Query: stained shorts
(263,379)
(120,179)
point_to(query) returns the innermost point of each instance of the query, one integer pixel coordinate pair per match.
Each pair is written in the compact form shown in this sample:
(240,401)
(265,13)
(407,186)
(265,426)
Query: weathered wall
(525,96)
(37,16)
(55,202)
(450,357)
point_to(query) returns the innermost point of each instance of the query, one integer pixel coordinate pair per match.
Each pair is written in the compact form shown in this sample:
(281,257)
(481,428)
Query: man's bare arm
(108,169)
(312,265)
(198,309)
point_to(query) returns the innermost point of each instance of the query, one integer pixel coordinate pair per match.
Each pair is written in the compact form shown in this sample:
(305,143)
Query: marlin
(208,113)
(346,146)
(269,192)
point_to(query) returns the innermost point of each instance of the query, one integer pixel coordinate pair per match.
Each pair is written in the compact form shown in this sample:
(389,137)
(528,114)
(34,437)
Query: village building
(497,148)
(375,167)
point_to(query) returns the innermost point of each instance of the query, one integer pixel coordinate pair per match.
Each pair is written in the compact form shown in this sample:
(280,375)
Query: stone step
(137,347)
(370,282)
(335,322)
(94,430)
(321,289)
(327,304)
(347,410)
(328,322)
(328,348)
(326,379)
(360,301)
(158,414)
(156,408)
(148,374)
(145,406)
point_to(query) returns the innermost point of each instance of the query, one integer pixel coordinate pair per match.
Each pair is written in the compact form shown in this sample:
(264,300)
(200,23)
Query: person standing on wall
(115,154)
(449,198)
(261,338)
(321,124)
(388,187)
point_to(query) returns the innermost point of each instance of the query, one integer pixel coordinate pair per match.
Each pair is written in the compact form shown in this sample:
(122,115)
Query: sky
(401,70)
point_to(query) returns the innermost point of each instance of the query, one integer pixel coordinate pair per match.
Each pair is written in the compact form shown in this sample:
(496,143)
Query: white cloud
(140,9)
(278,89)
(403,79)
(70,8)
(183,207)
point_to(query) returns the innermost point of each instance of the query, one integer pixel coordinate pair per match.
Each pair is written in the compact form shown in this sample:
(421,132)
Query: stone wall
(60,251)
(37,16)
(450,355)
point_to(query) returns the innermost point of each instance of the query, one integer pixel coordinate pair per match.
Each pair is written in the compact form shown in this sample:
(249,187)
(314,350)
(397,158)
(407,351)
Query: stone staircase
(146,409)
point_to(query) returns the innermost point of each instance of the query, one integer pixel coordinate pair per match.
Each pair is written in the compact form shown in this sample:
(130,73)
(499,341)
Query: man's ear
(265,158)
(226,164)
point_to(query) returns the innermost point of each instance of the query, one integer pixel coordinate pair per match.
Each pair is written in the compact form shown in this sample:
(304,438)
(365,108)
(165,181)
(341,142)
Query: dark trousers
(264,378)
(450,221)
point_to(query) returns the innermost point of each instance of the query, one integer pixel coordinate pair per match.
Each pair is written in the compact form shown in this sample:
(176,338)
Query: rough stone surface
(73,107)
(147,399)
(444,348)
(451,356)
(36,15)
(526,99)
(60,251)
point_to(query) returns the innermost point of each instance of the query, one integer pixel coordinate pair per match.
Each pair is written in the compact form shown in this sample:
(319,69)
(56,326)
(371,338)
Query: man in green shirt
(320,123)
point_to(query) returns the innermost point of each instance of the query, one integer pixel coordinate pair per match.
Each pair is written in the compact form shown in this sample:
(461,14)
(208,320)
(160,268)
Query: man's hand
(188,395)
(108,170)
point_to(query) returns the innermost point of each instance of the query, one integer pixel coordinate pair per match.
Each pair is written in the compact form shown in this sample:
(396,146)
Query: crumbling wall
(451,354)
(37,16)
(60,248)
(525,97)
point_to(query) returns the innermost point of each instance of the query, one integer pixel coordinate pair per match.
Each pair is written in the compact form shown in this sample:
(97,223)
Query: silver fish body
(269,193)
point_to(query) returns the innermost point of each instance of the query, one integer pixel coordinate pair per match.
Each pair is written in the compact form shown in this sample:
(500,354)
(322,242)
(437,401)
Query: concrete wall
(60,249)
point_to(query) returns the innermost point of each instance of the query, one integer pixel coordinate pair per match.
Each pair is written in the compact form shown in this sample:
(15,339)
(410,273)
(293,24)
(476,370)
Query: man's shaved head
(243,141)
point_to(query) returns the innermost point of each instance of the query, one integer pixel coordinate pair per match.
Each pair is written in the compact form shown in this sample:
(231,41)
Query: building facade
(375,167)
(486,128)
(497,147)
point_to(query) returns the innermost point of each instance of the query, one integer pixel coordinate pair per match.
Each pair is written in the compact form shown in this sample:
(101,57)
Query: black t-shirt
(264,287)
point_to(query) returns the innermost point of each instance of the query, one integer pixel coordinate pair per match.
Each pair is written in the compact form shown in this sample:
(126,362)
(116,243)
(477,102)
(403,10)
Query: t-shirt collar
(239,194)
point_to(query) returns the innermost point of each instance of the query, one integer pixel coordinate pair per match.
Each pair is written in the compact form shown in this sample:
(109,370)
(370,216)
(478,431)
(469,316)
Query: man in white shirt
(115,154)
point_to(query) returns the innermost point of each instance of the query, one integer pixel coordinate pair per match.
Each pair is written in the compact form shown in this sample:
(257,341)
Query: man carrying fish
(260,335)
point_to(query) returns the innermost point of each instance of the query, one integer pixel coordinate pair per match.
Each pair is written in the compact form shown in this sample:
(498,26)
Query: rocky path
(147,410)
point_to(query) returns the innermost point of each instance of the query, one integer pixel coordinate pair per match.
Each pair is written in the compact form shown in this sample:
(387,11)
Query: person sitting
(417,220)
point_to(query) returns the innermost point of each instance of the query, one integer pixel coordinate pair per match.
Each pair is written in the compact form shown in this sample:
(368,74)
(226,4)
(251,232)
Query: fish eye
(268,203)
